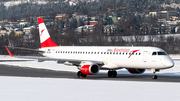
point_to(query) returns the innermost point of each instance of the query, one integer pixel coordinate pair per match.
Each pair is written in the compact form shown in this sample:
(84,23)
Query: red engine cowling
(136,71)
(90,69)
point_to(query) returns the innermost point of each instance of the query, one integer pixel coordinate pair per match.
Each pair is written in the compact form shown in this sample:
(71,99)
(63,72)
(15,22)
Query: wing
(14,60)
(37,50)
(73,62)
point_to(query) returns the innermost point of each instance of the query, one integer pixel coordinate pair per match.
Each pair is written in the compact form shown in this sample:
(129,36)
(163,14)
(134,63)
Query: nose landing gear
(154,73)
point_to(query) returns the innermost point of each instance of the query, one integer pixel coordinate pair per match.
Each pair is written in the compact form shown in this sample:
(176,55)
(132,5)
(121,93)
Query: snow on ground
(54,89)
(52,65)
(17,2)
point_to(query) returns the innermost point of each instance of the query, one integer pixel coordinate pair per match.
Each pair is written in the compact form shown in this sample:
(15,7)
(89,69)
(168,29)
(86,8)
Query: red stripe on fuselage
(48,43)
(40,20)
(134,51)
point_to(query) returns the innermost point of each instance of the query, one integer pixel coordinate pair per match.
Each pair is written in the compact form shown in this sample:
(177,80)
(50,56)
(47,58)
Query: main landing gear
(80,74)
(154,73)
(112,73)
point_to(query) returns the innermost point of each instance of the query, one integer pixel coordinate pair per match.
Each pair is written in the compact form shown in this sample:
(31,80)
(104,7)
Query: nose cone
(169,63)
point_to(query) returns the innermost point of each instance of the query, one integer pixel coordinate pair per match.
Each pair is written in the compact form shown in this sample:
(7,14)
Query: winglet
(9,51)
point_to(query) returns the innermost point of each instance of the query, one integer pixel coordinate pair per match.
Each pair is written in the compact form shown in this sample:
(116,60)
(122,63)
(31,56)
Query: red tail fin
(45,38)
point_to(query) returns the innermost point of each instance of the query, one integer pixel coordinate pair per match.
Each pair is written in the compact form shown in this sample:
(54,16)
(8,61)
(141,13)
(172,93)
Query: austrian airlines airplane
(91,59)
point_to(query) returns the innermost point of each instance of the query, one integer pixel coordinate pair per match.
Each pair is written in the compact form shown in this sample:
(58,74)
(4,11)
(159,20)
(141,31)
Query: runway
(6,70)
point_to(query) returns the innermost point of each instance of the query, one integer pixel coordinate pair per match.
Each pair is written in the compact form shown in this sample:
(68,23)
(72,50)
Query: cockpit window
(159,53)
(162,53)
(154,53)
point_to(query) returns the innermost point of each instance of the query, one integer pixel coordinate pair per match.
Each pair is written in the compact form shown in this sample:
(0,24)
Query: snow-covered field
(48,89)
(55,89)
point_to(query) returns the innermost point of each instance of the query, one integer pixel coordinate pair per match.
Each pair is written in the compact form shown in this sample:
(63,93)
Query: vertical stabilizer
(45,38)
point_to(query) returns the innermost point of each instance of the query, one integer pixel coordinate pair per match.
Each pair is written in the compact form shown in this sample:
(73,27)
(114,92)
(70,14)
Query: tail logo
(42,31)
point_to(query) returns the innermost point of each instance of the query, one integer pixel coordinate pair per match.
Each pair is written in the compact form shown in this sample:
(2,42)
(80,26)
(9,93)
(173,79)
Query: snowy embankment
(56,89)
(17,2)
(51,89)
(52,65)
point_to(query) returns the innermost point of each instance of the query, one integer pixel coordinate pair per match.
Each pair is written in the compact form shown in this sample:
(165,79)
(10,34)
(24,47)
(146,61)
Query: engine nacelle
(89,69)
(136,71)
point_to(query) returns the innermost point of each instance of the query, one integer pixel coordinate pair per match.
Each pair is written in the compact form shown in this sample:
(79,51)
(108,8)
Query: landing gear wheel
(84,75)
(80,74)
(112,73)
(109,73)
(154,73)
(154,77)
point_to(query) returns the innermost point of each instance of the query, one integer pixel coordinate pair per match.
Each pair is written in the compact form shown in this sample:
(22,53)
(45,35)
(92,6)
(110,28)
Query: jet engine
(136,71)
(89,69)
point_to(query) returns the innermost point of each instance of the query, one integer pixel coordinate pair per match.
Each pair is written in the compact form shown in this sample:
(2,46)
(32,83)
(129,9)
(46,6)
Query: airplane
(91,59)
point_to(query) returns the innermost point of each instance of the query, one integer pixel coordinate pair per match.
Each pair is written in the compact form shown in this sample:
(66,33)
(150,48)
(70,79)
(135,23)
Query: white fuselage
(114,57)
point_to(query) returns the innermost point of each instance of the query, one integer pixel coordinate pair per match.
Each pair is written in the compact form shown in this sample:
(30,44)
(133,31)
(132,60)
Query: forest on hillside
(129,25)
(52,7)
